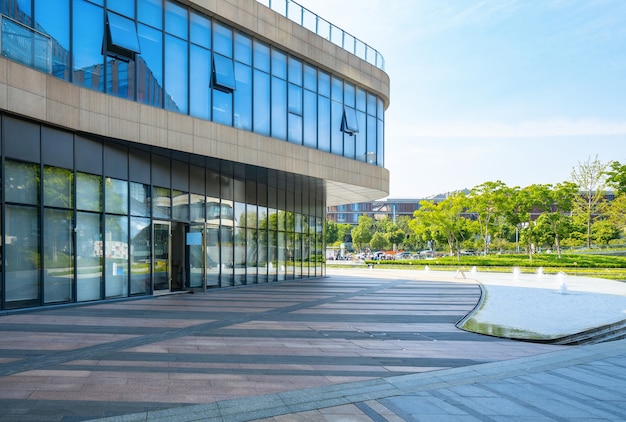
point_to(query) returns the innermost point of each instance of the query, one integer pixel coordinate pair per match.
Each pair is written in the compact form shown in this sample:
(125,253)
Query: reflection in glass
(149,67)
(279,108)
(222,39)
(223,107)
(176,19)
(176,75)
(180,202)
(88,33)
(150,12)
(21,182)
(58,256)
(227,258)
(140,252)
(200,30)
(240,256)
(116,256)
(261,102)
(53,18)
(21,256)
(243,97)
(323,124)
(161,263)
(161,206)
(212,255)
(139,199)
(200,72)
(116,196)
(243,48)
(88,256)
(88,192)
(195,244)
(310,119)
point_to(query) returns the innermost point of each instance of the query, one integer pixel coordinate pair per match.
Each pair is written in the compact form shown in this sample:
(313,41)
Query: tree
(616,213)
(379,241)
(362,233)
(332,232)
(555,204)
(603,232)
(486,202)
(617,177)
(591,178)
(442,220)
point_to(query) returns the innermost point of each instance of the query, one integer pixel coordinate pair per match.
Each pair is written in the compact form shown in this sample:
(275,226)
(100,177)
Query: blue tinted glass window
(200,74)
(360,138)
(200,30)
(323,80)
(261,56)
(310,119)
(337,89)
(150,67)
(349,145)
(261,102)
(336,133)
(323,127)
(54,19)
(360,99)
(348,95)
(243,48)
(381,108)
(176,79)
(150,12)
(123,7)
(223,73)
(279,108)
(295,129)
(279,64)
(371,139)
(87,40)
(243,96)
(176,20)
(380,141)
(371,104)
(120,75)
(295,99)
(223,107)
(295,71)
(222,39)
(122,34)
(310,77)
(349,123)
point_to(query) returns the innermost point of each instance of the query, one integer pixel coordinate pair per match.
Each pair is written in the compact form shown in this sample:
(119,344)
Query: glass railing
(25,45)
(304,17)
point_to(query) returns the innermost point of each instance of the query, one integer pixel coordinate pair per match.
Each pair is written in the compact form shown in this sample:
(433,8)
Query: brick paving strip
(229,345)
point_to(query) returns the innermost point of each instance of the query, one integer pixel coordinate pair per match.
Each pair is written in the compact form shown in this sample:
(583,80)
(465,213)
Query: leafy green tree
(521,203)
(555,204)
(396,237)
(486,202)
(616,213)
(332,232)
(617,177)
(443,220)
(362,233)
(603,232)
(591,178)
(379,242)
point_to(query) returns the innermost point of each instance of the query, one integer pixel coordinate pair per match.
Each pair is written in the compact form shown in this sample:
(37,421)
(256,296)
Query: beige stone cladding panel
(62,103)
(26,91)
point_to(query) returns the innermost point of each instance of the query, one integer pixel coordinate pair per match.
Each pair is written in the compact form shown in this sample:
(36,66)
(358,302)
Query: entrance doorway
(168,265)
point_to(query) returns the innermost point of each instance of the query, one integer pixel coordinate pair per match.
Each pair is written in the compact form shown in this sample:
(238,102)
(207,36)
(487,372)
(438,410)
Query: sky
(520,91)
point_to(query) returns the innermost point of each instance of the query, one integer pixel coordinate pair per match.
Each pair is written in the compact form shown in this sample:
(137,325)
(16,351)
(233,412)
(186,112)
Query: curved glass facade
(165,54)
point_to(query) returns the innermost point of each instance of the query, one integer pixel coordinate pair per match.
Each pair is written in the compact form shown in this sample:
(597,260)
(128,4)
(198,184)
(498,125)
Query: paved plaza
(358,345)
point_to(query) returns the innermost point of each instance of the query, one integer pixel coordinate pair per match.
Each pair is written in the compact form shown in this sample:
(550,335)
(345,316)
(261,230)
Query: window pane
(279,108)
(323,128)
(261,56)
(310,119)
(150,67)
(371,139)
(361,138)
(279,64)
(261,102)
(116,196)
(58,256)
(120,78)
(295,99)
(349,94)
(141,255)
(323,83)
(54,19)
(243,48)
(223,107)
(88,256)
(58,187)
(176,82)
(180,201)
(21,182)
(295,129)
(336,133)
(200,30)
(139,199)
(380,143)
(360,99)
(337,89)
(116,256)
(21,249)
(123,7)
(87,45)
(222,39)
(88,192)
(243,97)
(122,34)
(371,104)
(295,71)
(150,12)
(176,20)
(310,77)
(349,123)
(200,95)
(162,203)
(223,73)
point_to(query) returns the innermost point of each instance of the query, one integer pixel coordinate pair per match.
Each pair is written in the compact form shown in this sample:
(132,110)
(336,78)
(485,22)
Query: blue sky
(520,91)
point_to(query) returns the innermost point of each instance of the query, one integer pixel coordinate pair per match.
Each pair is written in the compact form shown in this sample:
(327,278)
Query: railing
(304,17)
(22,44)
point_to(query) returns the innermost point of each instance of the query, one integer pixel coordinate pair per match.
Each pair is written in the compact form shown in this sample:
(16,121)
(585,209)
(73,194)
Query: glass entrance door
(196,254)
(161,264)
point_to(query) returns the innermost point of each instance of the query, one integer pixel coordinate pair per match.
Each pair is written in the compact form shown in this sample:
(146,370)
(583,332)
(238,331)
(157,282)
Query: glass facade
(167,55)
(92,220)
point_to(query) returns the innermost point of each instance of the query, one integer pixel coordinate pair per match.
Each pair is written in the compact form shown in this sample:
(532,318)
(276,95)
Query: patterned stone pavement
(223,354)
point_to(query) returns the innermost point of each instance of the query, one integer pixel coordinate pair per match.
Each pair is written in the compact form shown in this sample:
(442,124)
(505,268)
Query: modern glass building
(154,146)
